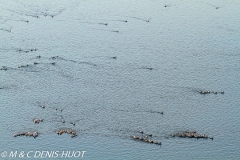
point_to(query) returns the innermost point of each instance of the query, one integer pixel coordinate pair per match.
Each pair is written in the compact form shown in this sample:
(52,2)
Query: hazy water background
(191,46)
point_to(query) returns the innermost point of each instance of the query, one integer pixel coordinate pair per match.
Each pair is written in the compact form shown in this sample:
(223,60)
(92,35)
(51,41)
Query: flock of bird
(188,134)
(38,120)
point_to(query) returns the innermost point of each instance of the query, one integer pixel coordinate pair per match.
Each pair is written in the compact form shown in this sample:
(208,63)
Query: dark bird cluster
(37,120)
(28,134)
(209,92)
(191,134)
(69,131)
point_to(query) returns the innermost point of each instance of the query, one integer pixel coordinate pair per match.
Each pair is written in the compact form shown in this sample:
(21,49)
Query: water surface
(117,64)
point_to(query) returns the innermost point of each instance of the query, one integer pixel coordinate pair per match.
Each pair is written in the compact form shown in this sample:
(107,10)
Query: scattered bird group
(27,50)
(146,139)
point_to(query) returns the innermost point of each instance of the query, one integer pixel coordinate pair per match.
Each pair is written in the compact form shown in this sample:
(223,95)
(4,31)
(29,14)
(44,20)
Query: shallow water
(112,80)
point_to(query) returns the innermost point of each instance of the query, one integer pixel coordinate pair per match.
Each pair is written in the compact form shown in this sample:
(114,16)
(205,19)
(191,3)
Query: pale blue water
(190,46)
